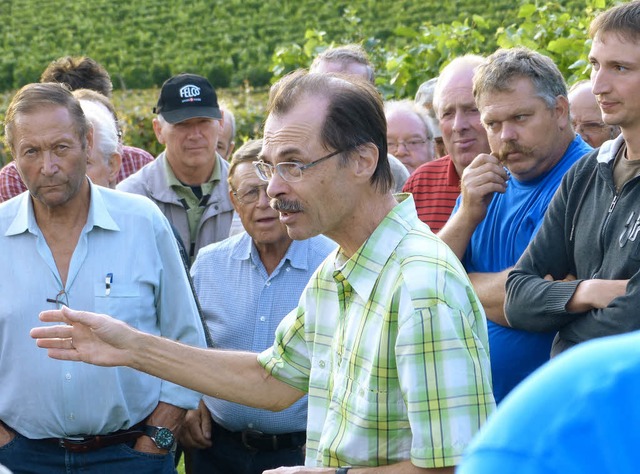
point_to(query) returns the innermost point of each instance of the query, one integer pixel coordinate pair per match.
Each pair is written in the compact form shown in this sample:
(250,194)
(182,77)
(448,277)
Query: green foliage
(413,55)
(243,45)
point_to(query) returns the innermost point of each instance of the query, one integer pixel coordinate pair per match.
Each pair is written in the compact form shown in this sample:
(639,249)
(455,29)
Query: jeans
(228,456)
(27,456)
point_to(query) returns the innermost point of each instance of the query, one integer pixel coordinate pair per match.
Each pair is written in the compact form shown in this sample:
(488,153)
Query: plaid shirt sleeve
(132,160)
(10,182)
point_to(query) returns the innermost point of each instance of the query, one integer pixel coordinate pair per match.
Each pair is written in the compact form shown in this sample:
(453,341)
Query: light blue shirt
(243,306)
(128,238)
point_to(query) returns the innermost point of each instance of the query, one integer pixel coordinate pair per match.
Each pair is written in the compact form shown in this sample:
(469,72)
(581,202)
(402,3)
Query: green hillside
(242,45)
(142,42)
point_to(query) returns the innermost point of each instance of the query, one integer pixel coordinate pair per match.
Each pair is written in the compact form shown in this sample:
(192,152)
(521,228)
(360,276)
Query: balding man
(586,116)
(388,338)
(436,185)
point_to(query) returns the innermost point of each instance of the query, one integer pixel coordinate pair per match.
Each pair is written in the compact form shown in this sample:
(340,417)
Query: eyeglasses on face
(250,195)
(590,127)
(288,170)
(410,145)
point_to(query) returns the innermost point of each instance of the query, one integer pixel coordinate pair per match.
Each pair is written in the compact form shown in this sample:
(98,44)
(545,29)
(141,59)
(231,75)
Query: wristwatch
(343,470)
(161,436)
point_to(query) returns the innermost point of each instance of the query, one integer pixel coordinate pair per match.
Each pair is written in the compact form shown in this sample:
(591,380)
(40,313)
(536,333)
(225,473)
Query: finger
(47,332)
(205,426)
(548,277)
(55,343)
(64,354)
(52,316)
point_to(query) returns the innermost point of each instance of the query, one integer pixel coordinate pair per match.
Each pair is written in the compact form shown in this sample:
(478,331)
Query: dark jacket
(589,231)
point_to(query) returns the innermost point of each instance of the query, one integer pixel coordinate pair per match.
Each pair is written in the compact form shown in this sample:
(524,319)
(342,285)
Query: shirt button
(321,364)
(268,283)
(288,268)
(72,417)
(67,376)
(263,319)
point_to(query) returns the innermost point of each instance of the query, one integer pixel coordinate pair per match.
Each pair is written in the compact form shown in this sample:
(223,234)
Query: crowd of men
(283,308)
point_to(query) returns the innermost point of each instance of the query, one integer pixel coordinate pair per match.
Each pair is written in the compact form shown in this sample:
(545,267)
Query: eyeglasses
(60,300)
(287,170)
(251,195)
(590,127)
(410,145)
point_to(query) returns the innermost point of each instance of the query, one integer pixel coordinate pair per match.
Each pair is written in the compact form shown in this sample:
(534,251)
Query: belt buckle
(249,435)
(74,441)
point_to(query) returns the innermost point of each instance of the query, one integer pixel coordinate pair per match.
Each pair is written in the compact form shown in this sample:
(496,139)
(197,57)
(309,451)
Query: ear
(157,128)
(366,162)
(234,201)
(562,111)
(115,162)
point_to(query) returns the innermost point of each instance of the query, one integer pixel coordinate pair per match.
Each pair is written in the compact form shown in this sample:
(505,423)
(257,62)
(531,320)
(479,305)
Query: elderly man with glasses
(389,339)
(268,271)
(409,134)
(586,115)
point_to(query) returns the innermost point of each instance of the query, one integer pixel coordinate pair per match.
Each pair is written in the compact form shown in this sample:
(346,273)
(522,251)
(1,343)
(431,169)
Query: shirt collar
(297,253)
(362,270)
(99,216)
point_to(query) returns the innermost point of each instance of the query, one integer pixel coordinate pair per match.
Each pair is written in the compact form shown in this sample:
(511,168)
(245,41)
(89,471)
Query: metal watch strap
(343,470)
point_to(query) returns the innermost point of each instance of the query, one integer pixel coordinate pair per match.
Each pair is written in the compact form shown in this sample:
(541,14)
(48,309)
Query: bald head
(586,116)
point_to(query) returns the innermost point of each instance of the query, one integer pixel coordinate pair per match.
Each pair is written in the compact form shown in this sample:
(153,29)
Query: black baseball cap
(187,96)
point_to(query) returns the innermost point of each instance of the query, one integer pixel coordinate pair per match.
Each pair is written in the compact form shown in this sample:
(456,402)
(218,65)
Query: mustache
(282,205)
(508,148)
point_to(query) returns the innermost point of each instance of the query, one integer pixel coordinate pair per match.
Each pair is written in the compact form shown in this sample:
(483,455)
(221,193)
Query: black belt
(83,444)
(259,441)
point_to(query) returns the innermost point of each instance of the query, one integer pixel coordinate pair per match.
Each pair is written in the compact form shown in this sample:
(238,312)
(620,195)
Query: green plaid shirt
(392,348)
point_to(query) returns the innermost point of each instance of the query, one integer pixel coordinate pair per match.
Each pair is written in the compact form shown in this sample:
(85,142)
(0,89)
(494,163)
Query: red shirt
(11,184)
(435,186)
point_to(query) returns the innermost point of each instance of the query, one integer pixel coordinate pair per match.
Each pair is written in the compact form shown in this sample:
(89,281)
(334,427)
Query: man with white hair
(409,134)
(103,162)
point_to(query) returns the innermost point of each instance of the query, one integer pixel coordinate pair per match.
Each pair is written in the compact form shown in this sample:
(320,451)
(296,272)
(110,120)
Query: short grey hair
(347,54)
(410,107)
(500,70)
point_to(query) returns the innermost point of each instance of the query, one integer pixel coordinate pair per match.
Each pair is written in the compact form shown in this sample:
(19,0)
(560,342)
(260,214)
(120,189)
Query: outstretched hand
(88,337)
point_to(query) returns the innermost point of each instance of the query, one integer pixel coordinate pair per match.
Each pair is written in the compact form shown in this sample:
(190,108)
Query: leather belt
(258,441)
(83,444)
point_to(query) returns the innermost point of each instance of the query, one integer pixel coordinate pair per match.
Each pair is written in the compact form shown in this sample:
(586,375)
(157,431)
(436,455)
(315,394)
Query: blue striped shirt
(243,307)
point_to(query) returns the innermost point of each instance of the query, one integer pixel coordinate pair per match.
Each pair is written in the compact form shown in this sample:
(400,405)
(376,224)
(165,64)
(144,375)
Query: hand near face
(484,176)
(88,337)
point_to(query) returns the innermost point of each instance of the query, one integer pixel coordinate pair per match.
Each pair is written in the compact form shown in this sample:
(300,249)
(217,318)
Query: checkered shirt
(392,347)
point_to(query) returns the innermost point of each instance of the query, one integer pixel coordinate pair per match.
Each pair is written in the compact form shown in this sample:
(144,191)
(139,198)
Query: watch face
(164,438)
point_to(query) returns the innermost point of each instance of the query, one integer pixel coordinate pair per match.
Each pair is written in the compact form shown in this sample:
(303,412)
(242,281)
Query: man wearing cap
(188,181)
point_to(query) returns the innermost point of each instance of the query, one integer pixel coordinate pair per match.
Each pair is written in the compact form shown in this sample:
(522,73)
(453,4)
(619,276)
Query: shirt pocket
(122,302)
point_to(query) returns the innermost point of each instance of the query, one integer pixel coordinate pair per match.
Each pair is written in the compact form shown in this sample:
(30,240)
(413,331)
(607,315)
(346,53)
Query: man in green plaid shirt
(389,339)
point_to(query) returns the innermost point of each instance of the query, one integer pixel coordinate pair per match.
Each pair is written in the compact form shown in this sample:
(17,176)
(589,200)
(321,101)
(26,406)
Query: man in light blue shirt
(266,271)
(68,242)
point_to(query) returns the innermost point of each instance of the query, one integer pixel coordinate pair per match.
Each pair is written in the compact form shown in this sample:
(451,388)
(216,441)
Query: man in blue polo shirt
(523,103)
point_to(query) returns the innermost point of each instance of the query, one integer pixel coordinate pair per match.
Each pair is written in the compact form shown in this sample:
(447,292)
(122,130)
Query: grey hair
(409,106)
(500,70)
